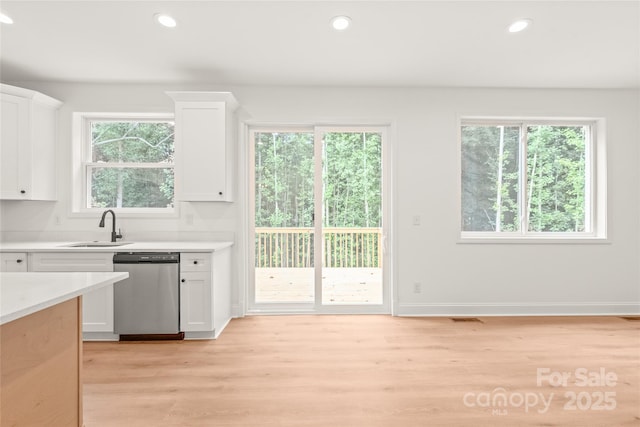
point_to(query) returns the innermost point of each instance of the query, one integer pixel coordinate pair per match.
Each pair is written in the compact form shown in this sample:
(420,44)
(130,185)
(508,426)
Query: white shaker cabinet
(13,262)
(27,144)
(204,145)
(97,306)
(205,297)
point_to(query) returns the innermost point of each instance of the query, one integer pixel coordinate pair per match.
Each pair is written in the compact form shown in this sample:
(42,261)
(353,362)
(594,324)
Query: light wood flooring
(326,371)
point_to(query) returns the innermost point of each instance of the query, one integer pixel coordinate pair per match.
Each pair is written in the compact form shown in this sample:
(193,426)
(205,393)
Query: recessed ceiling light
(5,19)
(340,23)
(165,20)
(519,25)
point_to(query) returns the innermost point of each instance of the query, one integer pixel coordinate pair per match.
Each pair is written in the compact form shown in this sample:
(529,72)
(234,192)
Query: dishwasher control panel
(150,257)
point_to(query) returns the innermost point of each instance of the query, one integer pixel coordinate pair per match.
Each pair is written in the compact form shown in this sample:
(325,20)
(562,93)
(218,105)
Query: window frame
(83,164)
(595,182)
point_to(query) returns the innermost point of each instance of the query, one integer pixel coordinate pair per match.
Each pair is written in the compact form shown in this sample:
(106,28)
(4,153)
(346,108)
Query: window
(127,163)
(528,179)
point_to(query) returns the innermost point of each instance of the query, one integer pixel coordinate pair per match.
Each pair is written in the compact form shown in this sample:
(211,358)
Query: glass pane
(352,218)
(284,177)
(132,141)
(490,186)
(556,178)
(131,187)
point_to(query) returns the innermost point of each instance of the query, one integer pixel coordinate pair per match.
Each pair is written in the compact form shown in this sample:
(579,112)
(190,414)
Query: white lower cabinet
(196,311)
(13,262)
(205,298)
(97,306)
(205,289)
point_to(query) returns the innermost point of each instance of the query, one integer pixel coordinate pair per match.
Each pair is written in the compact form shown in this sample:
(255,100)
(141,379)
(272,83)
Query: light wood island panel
(41,359)
(41,346)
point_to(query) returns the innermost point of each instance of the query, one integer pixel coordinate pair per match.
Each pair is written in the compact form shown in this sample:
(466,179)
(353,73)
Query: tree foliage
(126,143)
(553,199)
(351,179)
(284,179)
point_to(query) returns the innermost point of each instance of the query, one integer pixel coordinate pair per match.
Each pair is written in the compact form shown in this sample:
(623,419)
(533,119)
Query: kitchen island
(41,346)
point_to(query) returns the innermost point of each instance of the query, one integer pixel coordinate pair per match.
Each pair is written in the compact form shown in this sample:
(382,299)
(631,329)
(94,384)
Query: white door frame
(247,294)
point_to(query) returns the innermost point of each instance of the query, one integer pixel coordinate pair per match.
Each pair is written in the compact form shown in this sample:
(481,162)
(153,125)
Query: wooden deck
(340,285)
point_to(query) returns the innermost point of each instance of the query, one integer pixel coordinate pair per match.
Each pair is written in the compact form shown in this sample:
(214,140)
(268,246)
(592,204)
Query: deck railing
(293,247)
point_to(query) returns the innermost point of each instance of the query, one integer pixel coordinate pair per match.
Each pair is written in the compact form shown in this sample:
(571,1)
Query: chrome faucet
(114,235)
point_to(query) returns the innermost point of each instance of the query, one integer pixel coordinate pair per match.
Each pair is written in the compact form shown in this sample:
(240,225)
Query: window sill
(538,240)
(120,213)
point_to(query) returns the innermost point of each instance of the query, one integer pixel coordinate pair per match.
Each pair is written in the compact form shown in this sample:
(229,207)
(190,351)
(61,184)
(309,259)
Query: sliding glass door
(284,217)
(351,207)
(318,220)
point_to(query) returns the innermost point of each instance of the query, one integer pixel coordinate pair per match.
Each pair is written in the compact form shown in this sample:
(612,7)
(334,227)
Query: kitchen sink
(96,244)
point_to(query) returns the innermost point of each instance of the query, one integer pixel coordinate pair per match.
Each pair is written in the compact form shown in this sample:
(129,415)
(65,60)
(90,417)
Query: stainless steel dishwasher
(147,305)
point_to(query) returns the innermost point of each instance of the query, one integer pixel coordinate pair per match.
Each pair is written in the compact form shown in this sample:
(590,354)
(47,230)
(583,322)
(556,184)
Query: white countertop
(190,246)
(22,294)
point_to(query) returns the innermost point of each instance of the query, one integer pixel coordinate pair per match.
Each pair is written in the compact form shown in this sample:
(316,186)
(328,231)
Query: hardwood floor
(373,371)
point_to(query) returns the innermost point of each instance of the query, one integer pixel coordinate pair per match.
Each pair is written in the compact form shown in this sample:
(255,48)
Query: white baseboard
(520,309)
(237,310)
(200,335)
(100,336)
(219,330)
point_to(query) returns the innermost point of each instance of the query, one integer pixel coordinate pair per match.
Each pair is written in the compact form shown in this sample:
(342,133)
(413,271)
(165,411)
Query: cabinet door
(201,151)
(97,310)
(97,306)
(14,148)
(195,302)
(13,262)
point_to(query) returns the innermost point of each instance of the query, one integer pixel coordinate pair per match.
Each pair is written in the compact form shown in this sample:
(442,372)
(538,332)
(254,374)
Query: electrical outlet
(417,288)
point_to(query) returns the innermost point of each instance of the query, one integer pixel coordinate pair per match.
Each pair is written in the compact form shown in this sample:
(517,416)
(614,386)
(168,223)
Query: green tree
(284,187)
(556,178)
(352,177)
(554,197)
(127,142)
(490,183)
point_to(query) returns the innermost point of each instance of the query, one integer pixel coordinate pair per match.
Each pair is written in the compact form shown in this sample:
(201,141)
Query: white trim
(33,95)
(595,183)
(318,193)
(487,238)
(389,291)
(199,335)
(100,336)
(520,309)
(129,165)
(238,310)
(81,164)
(335,309)
(244,250)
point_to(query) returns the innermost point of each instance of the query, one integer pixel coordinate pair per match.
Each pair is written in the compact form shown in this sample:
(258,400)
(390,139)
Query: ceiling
(571,44)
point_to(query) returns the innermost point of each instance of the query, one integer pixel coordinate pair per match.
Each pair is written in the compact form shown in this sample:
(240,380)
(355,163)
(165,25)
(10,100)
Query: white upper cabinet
(204,145)
(27,144)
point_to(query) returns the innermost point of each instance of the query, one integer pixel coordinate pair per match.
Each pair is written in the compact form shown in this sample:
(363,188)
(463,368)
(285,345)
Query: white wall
(456,278)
